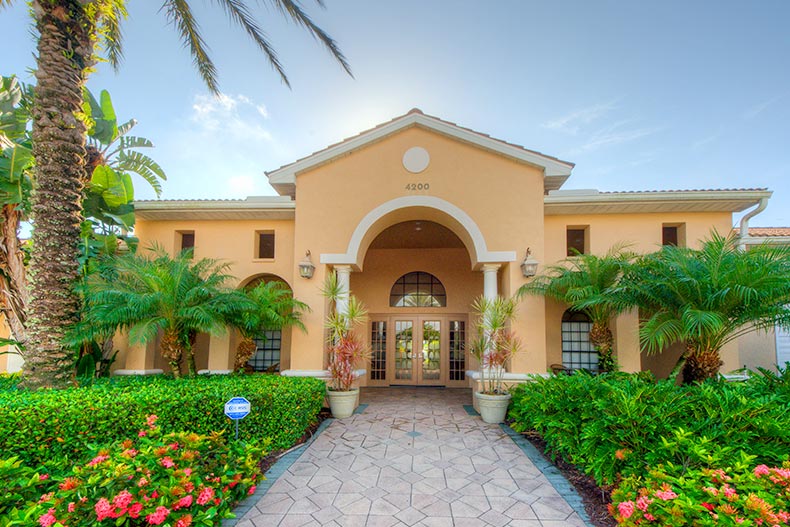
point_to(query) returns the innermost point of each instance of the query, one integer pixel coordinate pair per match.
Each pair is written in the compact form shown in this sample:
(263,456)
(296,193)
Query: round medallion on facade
(416,159)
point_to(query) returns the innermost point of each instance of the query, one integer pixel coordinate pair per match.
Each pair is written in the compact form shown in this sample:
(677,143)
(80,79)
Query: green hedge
(619,425)
(42,426)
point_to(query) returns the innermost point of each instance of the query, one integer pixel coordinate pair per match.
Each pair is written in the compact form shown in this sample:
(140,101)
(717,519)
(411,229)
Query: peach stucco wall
(333,198)
(230,241)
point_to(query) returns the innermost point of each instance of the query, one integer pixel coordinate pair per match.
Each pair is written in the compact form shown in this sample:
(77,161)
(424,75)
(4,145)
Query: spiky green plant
(495,342)
(585,283)
(144,295)
(707,297)
(346,349)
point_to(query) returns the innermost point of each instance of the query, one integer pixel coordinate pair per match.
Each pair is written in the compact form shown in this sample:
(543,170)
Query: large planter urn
(342,403)
(493,408)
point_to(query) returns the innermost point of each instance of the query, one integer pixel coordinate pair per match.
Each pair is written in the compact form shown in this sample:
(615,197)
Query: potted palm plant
(346,350)
(493,347)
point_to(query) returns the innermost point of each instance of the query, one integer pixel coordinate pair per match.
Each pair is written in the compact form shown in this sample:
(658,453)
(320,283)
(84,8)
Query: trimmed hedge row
(618,425)
(39,427)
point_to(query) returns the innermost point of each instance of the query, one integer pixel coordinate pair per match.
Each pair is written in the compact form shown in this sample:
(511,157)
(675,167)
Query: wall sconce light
(306,267)
(529,267)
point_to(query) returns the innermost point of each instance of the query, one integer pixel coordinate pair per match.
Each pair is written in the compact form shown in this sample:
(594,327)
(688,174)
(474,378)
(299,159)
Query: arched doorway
(417,282)
(272,345)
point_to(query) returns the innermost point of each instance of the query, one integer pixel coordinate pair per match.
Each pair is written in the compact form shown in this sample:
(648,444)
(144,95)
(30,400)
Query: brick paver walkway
(413,457)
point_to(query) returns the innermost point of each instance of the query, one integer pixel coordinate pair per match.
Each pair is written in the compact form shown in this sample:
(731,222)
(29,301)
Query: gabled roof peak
(556,171)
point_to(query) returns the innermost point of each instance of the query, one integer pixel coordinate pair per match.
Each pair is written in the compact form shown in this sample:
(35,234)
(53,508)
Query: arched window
(577,352)
(418,289)
(268,343)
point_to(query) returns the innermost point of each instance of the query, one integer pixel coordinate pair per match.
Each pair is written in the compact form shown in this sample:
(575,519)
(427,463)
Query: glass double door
(418,350)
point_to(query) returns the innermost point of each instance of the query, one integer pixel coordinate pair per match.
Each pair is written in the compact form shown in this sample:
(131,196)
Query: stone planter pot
(342,404)
(493,408)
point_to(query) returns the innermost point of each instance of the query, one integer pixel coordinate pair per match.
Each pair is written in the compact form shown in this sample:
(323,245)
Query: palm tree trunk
(191,368)
(172,351)
(602,339)
(13,277)
(65,52)
(701,364)
(244,352)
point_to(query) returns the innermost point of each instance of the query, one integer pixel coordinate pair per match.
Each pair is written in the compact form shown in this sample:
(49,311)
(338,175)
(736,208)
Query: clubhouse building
(418,217)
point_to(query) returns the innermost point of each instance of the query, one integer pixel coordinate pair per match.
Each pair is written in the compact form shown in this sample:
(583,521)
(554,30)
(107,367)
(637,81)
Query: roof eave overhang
(757,240)
(250,209)
(555,170)
(646,202)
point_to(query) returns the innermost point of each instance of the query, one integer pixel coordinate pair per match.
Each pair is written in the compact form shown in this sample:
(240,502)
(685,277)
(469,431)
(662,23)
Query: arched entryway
(417,282)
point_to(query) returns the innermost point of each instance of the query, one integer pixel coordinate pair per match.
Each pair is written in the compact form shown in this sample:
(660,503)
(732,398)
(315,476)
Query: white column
(343,282)
(490,281)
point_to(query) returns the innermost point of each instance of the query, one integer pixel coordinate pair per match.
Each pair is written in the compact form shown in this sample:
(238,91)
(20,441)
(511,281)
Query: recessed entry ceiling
(417,234)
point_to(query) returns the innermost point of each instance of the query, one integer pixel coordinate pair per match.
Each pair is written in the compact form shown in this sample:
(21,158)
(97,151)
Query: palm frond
(142,165)
(293,9)
(710,295)
(180,15)
(240,14)
(126,127)
(113,35)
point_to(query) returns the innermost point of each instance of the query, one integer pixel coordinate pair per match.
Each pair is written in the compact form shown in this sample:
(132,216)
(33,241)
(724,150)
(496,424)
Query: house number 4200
(418,186)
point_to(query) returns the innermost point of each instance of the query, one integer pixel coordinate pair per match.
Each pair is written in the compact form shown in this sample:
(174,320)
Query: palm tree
(145,295)
(108,195)
(584,283)
(69,31)
(272,307)
(708,297)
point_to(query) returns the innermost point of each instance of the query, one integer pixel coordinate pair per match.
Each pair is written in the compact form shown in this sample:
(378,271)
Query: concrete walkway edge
(271,475)
(552,473)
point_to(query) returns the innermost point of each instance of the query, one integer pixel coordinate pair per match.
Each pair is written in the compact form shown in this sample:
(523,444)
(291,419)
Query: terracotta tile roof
(418,111)
(197,200)
(685,190)
(767,231)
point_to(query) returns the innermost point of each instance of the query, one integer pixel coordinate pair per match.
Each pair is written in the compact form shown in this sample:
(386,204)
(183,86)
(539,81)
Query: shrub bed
(46,427)
(620,426)
(176,479)
(737,496)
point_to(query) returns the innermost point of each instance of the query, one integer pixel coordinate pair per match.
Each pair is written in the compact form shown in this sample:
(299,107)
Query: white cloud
(234,116)
(574,121)
(757,109)
(696,145)
(613,135)
(242,185)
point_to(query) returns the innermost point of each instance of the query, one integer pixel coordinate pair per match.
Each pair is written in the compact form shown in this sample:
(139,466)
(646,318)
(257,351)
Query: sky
(640,95)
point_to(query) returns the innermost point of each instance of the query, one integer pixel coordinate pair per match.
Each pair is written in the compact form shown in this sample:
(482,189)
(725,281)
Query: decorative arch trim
(476,243)
(267,277)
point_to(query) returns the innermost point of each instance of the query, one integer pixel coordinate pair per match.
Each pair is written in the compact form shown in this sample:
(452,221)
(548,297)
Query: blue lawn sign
(237,408)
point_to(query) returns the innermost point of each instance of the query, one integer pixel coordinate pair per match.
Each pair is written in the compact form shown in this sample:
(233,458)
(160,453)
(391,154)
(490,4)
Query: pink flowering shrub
(745,495)
(176,479)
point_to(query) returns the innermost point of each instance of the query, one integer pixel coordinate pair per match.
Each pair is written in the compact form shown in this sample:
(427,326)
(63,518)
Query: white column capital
(490,281)
(344,282)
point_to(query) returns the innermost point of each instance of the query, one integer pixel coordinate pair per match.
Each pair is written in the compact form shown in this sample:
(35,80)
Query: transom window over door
(418,289)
